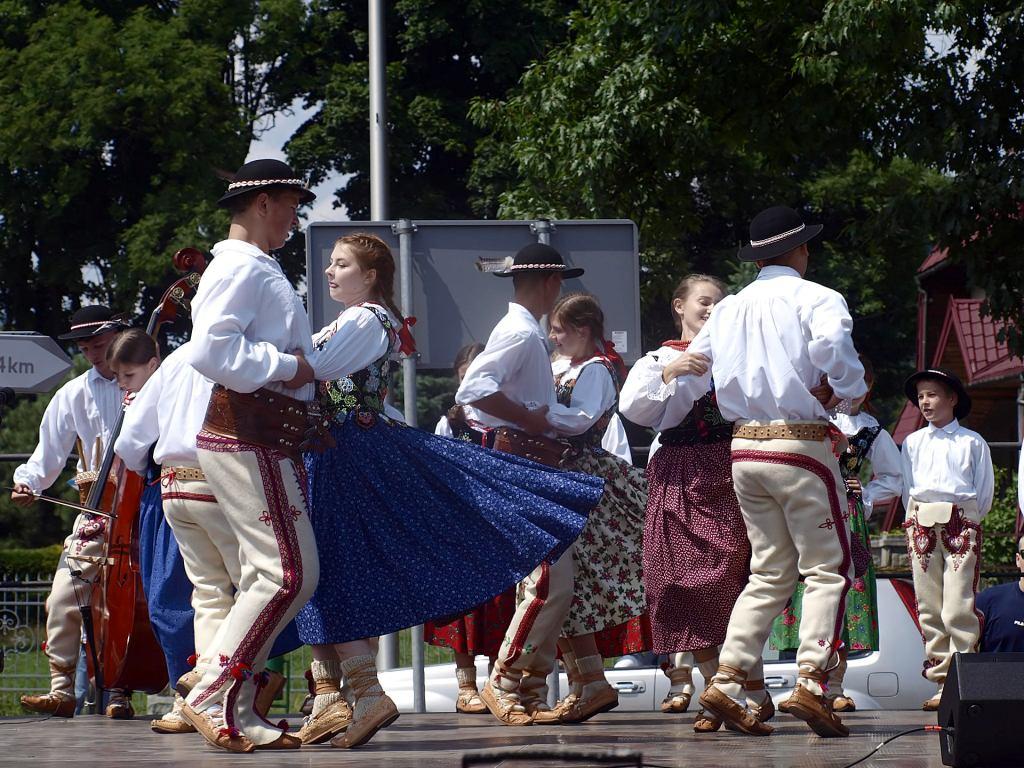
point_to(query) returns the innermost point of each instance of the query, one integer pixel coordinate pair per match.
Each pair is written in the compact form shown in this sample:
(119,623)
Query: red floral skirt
(479,632)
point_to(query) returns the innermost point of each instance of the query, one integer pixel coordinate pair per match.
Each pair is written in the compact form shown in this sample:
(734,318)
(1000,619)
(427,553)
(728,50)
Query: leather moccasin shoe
(816,711)
(505,707)
(49,704)
(720,705)
(212,732)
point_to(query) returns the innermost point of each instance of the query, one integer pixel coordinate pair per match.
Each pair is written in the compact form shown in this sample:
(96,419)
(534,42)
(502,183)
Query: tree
(440,55)
(689,118)
(114,117)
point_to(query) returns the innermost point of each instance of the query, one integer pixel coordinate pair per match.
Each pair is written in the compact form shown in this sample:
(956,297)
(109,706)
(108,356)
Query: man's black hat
(963,400)
(776,231)
(266,174)
(92,321)
(537,257)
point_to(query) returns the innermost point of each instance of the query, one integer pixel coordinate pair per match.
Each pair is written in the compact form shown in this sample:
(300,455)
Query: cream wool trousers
(209,551)
(794,505)
(543,600)
(261,493)
(63,617)
(945,564)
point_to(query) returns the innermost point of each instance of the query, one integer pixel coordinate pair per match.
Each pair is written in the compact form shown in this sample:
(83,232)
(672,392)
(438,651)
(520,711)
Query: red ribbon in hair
(615,359)
(406,343)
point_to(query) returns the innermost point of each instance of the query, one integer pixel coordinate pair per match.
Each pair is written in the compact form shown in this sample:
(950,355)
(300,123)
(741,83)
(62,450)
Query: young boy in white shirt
(947,490)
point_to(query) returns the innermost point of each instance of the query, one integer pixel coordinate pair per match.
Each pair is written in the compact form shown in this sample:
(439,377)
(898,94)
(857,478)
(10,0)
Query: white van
(889,678)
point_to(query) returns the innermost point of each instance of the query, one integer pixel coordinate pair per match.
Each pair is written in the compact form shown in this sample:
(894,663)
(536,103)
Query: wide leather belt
(182,473)
(84,481)
(268,419)
(815,432)
(544,450)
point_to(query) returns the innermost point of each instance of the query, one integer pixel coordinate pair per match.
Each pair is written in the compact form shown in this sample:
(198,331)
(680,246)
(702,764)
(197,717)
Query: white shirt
(515,362)
(951,463)
(646,400)
(768,345)
(355,339)
(86,407)
(615,440)
(592,395)
(169,410)
(443,428)
(246,321)
(886,471)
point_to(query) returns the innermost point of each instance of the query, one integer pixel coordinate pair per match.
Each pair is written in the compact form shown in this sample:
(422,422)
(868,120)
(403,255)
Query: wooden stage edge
(436,740)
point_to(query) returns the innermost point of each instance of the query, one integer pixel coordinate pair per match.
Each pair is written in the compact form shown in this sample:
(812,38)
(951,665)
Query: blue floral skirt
(412,527)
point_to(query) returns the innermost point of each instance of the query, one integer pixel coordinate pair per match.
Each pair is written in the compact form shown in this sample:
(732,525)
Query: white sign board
(31,362)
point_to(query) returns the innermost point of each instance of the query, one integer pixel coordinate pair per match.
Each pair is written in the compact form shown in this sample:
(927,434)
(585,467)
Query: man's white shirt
(950,463)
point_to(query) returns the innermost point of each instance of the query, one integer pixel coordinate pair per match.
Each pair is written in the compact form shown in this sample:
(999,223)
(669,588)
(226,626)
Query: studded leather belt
(182,473)
(544,450)
(797,431)
(268,419)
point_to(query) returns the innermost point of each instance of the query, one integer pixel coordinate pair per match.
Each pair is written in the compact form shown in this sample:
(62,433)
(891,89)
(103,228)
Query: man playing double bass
(84,411)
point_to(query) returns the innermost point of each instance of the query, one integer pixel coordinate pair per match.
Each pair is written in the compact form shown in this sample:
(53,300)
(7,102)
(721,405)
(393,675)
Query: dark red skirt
(479,632)
(696,554)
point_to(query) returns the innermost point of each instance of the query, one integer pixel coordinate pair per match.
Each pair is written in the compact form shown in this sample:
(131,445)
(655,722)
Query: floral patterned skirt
(607,556)
(696,551)
(860,629)
(478,632)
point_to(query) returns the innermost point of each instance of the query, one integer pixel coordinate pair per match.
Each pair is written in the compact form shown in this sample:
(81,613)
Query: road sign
(31,362)
(455,299)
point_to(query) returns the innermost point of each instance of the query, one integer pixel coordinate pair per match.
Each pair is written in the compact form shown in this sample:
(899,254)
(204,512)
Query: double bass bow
(124,652)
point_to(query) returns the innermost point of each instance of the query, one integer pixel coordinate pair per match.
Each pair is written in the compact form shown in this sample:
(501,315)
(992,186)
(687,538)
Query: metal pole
(543,228)
(378,115)
(404,229)
(387,653)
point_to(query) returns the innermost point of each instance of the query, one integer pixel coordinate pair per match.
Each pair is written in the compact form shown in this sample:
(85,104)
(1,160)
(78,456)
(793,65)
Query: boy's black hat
(92,321)
(776,231)
(537,257)
(963,400)
(266,174)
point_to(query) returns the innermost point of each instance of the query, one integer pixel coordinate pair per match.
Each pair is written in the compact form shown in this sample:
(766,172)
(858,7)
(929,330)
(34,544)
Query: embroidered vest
(704,423)
(591,439)
(854,457)
(363,390)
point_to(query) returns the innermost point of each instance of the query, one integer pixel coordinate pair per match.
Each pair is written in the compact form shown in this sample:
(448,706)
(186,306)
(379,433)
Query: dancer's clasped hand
(685,365)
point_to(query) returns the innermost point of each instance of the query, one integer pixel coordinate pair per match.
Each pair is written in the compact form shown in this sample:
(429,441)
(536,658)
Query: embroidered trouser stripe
(789,493)
(262,496)
(544,599)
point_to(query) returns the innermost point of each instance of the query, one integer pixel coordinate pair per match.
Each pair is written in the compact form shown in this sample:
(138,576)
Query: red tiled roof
(985,358)
(935,257)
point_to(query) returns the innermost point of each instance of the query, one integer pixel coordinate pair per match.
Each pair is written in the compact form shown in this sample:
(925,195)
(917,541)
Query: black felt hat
(92,321)
(775,231)
(266,174)
(963,400)
(537,257)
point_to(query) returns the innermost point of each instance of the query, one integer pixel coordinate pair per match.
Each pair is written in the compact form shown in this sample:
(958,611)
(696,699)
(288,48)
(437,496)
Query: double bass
(123,650)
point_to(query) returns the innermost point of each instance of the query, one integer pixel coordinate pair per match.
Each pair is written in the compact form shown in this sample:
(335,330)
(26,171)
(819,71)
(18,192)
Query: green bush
(30,561)
(998,543)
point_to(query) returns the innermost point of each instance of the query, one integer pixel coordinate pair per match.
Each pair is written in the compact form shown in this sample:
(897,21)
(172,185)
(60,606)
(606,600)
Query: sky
(270,144)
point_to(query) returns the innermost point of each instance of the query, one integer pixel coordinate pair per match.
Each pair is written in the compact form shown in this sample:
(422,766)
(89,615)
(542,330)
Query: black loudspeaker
(982,711)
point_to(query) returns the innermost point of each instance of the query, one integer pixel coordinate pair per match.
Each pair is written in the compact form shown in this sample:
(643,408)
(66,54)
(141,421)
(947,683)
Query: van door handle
(625,686)
(779,681)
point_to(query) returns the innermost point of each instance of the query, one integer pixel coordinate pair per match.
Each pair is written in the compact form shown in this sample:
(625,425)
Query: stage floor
(433,741)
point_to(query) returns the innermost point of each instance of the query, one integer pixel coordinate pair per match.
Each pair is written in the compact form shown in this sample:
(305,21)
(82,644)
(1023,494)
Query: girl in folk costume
(868,442)
(436,525)
(608,592)
(696,551)
(480,631)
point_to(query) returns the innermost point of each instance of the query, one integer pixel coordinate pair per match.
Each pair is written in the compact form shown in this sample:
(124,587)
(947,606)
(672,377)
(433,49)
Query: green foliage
(30,561)
(998,543)
(434,396)
(440,55)
(113,120)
